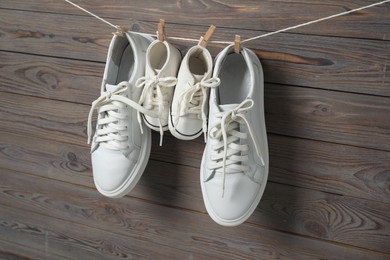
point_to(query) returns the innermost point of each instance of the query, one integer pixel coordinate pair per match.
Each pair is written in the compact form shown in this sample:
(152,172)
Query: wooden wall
(327,96)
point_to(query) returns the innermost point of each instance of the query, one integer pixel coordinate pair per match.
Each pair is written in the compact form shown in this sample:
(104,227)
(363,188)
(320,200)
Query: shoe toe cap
(234,205)
(111,169)
(187,126)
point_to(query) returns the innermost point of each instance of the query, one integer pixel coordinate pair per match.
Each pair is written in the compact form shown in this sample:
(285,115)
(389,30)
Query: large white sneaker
(188,112)
(234,167)
(119,150)
(162,65)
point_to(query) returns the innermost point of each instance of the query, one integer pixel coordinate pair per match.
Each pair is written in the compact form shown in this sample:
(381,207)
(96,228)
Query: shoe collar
(149,68)
(219,62)
(198,50)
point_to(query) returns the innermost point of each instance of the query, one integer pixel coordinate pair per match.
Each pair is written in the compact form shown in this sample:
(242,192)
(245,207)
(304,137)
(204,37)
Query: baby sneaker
(162,64)
(119,151)
(234,168)
(188,113)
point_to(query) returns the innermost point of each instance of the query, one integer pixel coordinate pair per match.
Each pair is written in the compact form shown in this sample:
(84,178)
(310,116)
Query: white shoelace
(110,105)
(194,101)
(156,98)
(229,154)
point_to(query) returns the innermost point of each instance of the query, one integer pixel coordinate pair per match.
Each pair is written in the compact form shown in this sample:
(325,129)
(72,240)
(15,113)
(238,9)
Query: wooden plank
(52,78)
(346,65)
(316,165)
(153,223)
(74,241)
(46,158)
(79,81)
(266,15)
(329,167)
(296,210)
(327,216)
(344,118)
(64,36)
(285,208)
(353,65)
(54,120)
(14,251)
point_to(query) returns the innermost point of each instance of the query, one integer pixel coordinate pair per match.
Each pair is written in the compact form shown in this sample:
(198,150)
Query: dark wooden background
(327,96)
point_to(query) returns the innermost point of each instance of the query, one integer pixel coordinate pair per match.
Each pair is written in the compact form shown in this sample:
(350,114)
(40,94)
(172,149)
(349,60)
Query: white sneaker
(162,64)
(119,151)
(188,112)
(234,167)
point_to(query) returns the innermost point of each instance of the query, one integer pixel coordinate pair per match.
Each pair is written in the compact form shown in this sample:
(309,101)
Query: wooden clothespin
(204,39)
(120,30)
(237,44)
(160,30)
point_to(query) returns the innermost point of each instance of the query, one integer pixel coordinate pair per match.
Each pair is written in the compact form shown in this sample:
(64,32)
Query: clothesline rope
(246,40)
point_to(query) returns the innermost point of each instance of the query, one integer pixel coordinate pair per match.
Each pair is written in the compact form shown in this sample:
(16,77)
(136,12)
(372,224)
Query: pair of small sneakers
(177,104)
(139,90)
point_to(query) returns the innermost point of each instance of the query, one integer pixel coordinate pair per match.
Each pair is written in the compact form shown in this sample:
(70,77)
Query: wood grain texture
(70,240)
(332,217)
(316,165)
(346,65)
(292,59)
(13,251)
(51,78)
(327,105)
(150,222)
(39,37)
(343,118)
(46,158)
(282,207)
(249,14)
(43,118)
(329,167)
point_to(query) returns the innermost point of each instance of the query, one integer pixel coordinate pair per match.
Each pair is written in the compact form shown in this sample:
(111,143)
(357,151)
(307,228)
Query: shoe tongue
(227,107)
(110,87)
(198,78)
(151,72)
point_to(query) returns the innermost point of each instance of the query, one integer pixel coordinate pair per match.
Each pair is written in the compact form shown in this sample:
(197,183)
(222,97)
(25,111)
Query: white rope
(249,39)
(94,15)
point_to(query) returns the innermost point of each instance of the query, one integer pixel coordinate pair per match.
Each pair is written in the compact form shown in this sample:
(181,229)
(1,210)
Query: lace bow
(194,100)
(153,95)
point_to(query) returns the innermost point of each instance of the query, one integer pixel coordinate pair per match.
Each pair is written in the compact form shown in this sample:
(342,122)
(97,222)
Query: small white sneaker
(119,151)
(188,112)
(234,167)
(162,65)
